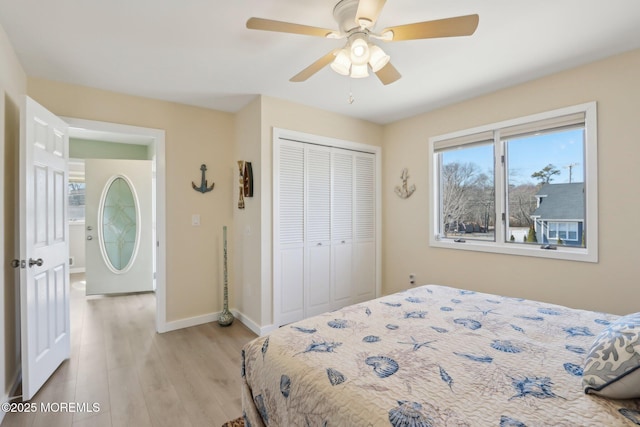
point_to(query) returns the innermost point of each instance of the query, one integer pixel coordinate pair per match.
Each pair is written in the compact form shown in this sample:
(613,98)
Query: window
(76,200)
(525,186)
(468,193)
(76,190)
(561,231)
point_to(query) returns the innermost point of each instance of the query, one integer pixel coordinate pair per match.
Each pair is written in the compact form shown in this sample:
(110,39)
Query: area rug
(238,422)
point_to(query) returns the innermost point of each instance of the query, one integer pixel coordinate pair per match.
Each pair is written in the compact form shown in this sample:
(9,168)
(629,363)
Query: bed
(432,356)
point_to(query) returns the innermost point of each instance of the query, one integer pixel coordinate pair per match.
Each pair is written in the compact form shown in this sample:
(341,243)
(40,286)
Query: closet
(325,242)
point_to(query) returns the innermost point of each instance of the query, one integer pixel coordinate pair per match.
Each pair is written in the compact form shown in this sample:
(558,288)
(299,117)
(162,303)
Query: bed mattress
(430,356)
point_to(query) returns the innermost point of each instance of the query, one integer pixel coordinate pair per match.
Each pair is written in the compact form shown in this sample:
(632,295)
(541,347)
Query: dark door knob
(37,262)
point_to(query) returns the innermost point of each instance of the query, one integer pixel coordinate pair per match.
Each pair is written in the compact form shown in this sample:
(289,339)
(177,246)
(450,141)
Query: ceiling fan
(356,19)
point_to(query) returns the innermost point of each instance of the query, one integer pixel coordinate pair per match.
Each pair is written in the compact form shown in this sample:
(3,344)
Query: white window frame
(502,245)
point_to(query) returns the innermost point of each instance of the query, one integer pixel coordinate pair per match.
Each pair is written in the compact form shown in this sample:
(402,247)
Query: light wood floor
(189,377)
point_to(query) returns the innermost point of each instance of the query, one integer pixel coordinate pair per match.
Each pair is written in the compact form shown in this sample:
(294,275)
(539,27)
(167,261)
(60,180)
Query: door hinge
(504,216)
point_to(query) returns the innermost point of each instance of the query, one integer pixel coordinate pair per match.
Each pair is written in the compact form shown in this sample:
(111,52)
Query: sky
(530,154)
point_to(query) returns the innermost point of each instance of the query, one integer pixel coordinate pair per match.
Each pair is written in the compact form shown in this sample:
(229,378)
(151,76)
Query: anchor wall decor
(203,188)
(405,191)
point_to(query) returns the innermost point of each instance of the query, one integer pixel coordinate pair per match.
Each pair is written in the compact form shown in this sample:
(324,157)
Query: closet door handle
(319,244)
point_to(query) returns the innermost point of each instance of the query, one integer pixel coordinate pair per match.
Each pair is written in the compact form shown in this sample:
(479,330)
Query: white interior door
(44,246)
(118,226)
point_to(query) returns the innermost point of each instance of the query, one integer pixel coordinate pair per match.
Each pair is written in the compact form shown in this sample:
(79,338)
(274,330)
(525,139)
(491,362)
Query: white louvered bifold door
(342,227)
(324,229)
(364,253)
(318,226)
(288,254)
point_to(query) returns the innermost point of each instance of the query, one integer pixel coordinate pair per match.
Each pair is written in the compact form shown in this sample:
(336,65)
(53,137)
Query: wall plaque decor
(248,180)
(405,191)
(241,184)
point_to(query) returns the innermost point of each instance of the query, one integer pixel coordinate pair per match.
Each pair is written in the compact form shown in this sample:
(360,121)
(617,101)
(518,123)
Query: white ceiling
(199,52)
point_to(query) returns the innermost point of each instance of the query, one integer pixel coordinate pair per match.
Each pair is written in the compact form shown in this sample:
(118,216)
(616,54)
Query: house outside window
(526,186)
(559,215)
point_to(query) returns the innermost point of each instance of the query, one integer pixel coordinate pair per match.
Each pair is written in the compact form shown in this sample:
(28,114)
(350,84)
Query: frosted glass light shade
(341,64)
(359,71)
(359,52)
(378,58)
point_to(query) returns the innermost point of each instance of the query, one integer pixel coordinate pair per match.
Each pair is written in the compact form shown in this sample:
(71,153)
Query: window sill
(559,253)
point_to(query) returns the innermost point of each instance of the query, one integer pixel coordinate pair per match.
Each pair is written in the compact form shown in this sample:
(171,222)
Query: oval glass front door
(119,218)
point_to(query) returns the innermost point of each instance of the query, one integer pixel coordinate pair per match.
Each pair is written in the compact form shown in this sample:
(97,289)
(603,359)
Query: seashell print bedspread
(430,356)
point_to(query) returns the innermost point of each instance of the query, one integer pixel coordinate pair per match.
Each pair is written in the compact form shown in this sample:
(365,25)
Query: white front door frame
(157,137)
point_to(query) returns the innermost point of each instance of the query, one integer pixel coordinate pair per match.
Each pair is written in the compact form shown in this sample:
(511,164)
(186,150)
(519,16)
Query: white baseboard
(189,322)
(255,328)
(213,317)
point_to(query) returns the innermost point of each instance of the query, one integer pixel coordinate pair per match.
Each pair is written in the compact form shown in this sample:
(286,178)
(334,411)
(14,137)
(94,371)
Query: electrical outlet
(412,279)
(195,220)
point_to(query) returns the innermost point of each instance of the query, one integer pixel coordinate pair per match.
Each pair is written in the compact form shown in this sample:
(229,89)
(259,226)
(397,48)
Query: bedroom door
(118,226)
(44,246)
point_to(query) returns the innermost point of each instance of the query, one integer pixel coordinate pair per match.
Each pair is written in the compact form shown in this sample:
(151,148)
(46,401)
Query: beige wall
(13,85)
(245,291)
(192,136)
(610,285)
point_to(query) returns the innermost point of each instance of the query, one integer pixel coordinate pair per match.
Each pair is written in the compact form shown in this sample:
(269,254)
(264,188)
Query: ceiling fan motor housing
(345,15)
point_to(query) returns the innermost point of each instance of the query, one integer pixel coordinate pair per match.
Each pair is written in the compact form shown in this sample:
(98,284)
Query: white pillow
(612,367)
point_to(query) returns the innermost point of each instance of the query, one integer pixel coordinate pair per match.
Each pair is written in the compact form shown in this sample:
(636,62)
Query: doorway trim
(155,138)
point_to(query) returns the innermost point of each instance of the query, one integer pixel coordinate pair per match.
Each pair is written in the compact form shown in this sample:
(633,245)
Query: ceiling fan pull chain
(351,99)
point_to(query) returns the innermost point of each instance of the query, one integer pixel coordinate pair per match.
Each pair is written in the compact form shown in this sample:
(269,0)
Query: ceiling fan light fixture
(359,51)
(377,58)
(359,71)
(342,63)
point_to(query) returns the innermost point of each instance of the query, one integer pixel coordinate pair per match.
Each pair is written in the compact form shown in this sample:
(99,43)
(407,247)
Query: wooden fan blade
(448,27)
(368,12)
(315,67)
(388,74)
(286,27)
